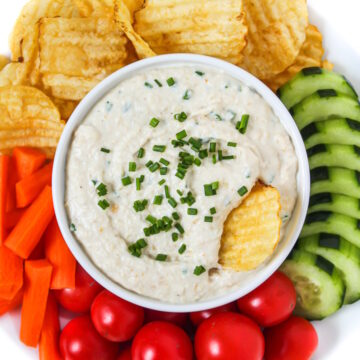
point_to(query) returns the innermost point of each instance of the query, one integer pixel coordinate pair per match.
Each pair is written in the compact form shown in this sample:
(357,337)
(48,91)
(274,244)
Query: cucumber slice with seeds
(333,223)
(341,253)
(319,285)
(347,156)
(309,80)
(335,180)
(340,204)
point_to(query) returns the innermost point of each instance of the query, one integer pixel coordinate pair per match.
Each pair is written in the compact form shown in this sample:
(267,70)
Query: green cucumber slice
(347,156)
(309,80)
(335,180)
(325,105)
(333,223)
(341,204)
(341,253)
(318,283)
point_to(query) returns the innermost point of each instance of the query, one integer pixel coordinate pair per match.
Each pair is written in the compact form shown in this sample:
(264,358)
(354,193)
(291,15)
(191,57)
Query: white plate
(339,335)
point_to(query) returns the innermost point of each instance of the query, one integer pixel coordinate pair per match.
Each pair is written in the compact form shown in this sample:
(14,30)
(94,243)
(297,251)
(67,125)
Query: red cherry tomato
(114,318)
(160,340)
(229,336)
(81,297)
(180,319)
(294,339)
(272,302)
(80,341)
(199,316)
(125,354)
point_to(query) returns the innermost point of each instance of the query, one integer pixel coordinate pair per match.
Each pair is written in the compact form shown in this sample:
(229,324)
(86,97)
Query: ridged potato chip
(327,65)
(217,28)
(277,30)
(76,54)
(14,74)
(310,55)
(95,7)
(251,231)
(66,107)
(3,61)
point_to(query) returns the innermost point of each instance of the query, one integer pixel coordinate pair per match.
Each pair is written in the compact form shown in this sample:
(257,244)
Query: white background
(338,20)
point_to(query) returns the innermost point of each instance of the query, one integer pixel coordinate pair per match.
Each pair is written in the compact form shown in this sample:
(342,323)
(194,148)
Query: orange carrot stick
(28,231)
(49,338)
(12,180)
(13,217)
(28,160)
(36,290)
(11,273)
(4,176)
(30,187)
(8,305)
(60,257)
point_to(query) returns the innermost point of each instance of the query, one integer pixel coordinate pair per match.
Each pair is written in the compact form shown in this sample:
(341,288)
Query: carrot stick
(4,176)
(27,160)
(8,305)
(36,290)
(28,231)
(30,187)
(13,217)
(60,257)
(11,273)
(12,180)
(49,338)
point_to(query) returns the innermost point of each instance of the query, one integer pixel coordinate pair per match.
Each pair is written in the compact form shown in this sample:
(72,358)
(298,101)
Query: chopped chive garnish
(104,204)
(212,147)
(158,199)
(101,189)
(200,73)
(208,219)
(187,95)
(126,180)
(175,237)
(172,202)
(170,81)
(244,123)
(208,190)
(154,167)
(196,143)
(180,175)
(154,122)
(228,157)
(147,84)
(149,163)
(141,153)
(140,205)
(163,170)
(179,228)
(180,117)
(232,144)
(151,219)
(220,155)
(161,257)
(175,216)
(215,185)
(138,183)
(72,227)
(180,192)
(218,117)
(192,211)
(214,159)
(105,150)
(161,182)
(158,83)
(242,191)
(213,211)
(132,166)
(141,243)
(181,135)
(199,270)
(159,148)
(134,250)
(197,162)
(94,182)
(203,154)
(164,162)
(182,249)
(167,192)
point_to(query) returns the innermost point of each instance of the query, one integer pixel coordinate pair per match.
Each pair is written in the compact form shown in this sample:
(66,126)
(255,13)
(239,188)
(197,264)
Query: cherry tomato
(272,302)
(125,353)
(199,316)
(228,336)
(294,339)
(80,341)
(160,340)
(180,319)
(114,318)
(80,298)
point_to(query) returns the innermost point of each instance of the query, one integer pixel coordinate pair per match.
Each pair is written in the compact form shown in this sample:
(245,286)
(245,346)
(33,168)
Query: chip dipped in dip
(156,167)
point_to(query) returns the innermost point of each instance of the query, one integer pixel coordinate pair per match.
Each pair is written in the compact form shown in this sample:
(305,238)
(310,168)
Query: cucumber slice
(341,253)
(335,180)
(325,105)
(333,223)
(347,156)
(309,80)
(337,131)
(341,204)
(319,285)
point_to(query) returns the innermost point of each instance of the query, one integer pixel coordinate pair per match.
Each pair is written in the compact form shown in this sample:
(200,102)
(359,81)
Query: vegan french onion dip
(156,167)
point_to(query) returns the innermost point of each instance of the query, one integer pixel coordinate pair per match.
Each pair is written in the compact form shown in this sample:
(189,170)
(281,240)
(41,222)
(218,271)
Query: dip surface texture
(110,190)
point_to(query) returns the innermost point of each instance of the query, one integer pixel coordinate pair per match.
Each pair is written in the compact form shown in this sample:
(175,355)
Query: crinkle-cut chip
(134,5)
(3,61)
(251,231)
(32,141)
(66,107)
(310,55)
(276,34)
(76,54)
(124,18)
(216,27)
(95,7)
(326,64)
(14,74)
(8,135)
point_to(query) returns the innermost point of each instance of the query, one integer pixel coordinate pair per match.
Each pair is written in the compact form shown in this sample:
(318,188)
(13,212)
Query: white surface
(338,335)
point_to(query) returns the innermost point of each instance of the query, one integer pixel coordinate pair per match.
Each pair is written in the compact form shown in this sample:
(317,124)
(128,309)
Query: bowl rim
(95,95)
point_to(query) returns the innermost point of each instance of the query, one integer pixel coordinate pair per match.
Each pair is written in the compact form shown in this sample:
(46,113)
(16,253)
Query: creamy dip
(114,194)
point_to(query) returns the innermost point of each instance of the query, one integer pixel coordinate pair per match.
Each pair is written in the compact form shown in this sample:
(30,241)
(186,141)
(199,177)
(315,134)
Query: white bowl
(256,277)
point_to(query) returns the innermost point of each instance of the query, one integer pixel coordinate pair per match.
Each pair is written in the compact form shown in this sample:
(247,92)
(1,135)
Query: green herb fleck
(105,150)
(199,270)
(182,249)
(101,189)
(212,147)
(158,199)
(147,84)
(164,162)
(175,237)
(158,83)
(141,153)
(161,182)
(181,135)
(172,202)
(163,170)
(161,257)
(154,122)
(170,81)
(179,228)
(242,191)
(208,219)
(200,73)
(232,144)
(132,166)
(213,211)
(72,227)
(154,167)
(192,211)
(104,204)
(175,216)
(126,180)
(140,205)
(187,95)
(181,117)
(242,125)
